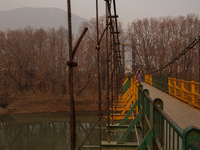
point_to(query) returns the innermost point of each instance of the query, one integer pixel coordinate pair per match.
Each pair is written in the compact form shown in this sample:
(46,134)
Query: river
(48,131)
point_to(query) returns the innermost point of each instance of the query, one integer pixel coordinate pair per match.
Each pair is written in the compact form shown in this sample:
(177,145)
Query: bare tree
(158,41)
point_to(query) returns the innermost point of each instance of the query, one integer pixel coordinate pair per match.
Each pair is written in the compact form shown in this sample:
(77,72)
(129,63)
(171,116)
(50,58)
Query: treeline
(33,60)
(157,41)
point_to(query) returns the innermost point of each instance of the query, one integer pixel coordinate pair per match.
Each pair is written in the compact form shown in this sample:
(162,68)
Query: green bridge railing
(159,131)
(160,83)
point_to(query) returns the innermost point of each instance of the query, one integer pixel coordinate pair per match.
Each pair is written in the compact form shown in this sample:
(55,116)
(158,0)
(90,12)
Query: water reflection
(44,132)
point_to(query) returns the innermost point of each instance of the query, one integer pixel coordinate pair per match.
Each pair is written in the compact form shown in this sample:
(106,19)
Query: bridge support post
(193,92)
(169,85)
(145,107)
(191,138)
(182,89)
(175,87)
(158,124)
(140,90)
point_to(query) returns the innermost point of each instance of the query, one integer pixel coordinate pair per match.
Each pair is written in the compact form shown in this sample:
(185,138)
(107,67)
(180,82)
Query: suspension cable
(188,48)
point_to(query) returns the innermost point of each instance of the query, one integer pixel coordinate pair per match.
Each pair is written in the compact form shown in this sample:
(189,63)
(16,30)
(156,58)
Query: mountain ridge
(48,17)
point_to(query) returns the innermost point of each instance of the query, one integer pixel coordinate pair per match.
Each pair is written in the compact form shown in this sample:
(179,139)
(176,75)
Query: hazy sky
(128,10)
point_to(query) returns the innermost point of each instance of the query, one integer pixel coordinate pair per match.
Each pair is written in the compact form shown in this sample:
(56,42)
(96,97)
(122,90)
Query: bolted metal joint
(106,97)
(108,61)
(98,47)
(72,64)
(100,114)
(108,137)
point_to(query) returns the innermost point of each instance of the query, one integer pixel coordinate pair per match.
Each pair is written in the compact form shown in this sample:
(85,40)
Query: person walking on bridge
(139,76)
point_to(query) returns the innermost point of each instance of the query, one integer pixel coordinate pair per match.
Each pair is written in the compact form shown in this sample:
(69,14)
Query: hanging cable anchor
(108,137)
(100,114)
(72,64)
(98,47)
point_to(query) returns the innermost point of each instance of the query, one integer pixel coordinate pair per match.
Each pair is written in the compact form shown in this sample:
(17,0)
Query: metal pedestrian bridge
(167,119)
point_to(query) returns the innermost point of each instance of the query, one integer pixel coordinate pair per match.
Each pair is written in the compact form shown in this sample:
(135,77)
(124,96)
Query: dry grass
(46,102)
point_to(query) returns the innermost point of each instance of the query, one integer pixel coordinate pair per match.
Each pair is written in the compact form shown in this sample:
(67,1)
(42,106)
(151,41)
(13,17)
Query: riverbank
(46,104)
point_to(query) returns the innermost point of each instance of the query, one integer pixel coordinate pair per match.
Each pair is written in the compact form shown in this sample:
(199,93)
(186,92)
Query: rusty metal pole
(111,66)
(98,71)
(199,63)
(114,73)
(123,58)
(112,95)
(133,57)
(72,107)
(111,54)
(107,85)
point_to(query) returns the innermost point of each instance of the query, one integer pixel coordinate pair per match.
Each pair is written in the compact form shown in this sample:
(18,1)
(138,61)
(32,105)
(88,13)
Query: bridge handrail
(161,129)
(181,89)
(171,122)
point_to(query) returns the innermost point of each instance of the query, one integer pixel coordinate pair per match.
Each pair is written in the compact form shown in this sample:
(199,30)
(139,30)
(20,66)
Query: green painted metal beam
(129,113)
(113,145)
(146,141)
(132,125)
(117,127)
(126,86)
(90,147)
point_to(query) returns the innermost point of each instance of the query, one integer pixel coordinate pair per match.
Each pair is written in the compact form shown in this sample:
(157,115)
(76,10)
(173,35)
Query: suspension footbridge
(145,117)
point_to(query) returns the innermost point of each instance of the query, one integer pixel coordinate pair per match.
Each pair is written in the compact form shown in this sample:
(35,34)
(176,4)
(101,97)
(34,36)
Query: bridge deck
(183,114)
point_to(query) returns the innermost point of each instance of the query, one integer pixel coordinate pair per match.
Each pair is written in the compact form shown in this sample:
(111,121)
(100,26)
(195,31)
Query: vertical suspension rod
(116,26)
(112,53)
(118,55)
(72,107)
(108,88)
(98,70)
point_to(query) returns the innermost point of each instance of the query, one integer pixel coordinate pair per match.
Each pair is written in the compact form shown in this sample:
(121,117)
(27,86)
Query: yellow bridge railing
(186,91)
(148,79)
(126,99)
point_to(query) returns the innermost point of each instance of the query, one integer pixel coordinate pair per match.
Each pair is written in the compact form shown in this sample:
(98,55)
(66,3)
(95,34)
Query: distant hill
(37,18)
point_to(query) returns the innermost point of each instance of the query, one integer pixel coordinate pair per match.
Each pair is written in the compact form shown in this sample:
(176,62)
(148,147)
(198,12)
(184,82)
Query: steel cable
(191,46)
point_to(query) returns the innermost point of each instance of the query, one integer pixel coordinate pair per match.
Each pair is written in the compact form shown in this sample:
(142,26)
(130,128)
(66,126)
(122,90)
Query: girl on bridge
(139,76)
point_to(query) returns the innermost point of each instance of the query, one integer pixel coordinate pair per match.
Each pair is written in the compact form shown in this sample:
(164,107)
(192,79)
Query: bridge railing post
(169,85)
(146,112)
(182,89)
(140,90)
(158,125)
(147,78)
(193,92)
(191,138)
(175,94)
(136,94)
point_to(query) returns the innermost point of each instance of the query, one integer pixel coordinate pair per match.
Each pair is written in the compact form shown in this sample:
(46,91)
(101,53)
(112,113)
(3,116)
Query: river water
(49,131)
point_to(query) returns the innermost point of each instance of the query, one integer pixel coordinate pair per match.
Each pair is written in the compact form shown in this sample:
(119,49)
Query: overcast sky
(128,10)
